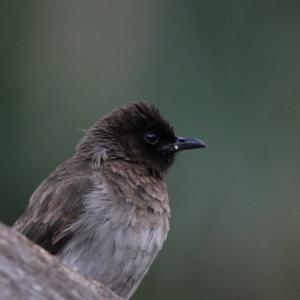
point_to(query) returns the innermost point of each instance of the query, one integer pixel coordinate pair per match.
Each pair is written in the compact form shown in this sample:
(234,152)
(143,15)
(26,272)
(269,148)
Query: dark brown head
(138,134)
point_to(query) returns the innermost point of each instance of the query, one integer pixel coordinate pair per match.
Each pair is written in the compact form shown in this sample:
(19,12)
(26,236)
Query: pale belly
(118,255)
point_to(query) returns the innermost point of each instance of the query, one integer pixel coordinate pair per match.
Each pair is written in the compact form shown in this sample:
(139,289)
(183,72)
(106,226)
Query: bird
(105,211)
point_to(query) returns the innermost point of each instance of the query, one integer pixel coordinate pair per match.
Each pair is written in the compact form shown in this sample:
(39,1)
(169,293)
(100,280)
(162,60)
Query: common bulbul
(105,211)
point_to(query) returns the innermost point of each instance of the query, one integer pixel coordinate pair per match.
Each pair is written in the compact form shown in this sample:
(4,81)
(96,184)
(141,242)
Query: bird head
(138,134)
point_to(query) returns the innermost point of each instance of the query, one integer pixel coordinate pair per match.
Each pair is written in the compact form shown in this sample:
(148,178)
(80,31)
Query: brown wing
(53,207)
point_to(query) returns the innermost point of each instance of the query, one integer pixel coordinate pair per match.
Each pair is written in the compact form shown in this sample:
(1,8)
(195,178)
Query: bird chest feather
(117,239)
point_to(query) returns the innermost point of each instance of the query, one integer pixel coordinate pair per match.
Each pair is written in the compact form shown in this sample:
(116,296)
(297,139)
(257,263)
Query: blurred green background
(224,71)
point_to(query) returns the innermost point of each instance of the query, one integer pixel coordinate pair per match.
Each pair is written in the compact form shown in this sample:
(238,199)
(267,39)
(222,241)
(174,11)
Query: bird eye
(151,137)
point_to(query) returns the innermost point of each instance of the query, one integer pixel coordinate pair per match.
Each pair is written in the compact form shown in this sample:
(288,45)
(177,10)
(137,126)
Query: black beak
(182,143)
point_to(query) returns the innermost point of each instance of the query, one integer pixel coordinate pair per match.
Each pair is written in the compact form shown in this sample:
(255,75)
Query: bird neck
(136,185)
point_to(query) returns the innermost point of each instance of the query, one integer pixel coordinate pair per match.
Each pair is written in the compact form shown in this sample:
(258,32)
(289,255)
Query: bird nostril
(181,139)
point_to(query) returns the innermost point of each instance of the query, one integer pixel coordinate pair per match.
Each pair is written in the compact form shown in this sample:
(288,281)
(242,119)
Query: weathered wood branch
(29,272)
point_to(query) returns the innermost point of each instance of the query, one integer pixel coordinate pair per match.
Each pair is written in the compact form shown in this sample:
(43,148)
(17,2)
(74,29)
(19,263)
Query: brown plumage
(105,211)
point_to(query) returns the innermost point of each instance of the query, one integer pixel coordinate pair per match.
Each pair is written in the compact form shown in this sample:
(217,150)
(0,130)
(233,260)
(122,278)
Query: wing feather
(54,206)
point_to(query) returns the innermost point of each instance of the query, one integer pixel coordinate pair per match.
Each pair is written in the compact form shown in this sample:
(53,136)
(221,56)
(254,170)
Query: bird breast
(116,239)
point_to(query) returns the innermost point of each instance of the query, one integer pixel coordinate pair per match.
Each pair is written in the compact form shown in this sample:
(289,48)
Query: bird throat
(134,184)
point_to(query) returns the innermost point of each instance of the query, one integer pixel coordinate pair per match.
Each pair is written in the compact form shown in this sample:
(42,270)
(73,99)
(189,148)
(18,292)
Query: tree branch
(29,272)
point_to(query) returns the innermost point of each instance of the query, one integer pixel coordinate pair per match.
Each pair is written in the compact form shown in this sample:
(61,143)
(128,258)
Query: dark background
(225,71)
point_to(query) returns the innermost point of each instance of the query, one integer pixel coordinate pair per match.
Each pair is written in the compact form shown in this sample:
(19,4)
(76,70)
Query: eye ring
(151,137)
